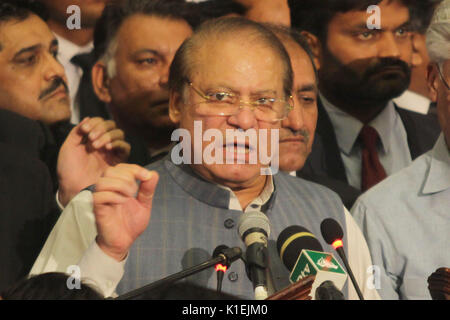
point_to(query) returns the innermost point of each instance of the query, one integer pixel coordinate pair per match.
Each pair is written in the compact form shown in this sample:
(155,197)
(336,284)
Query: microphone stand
(256,264)
(341,253)
(227,256)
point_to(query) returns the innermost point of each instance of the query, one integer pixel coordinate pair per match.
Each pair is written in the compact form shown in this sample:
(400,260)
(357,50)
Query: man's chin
(56,113)
(387,91)
(288,165)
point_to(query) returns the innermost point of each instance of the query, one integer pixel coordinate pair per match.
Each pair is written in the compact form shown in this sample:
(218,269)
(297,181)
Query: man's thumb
(147,189)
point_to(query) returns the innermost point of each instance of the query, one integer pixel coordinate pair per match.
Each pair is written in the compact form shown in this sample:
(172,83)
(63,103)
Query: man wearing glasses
(231,75)
(406,219)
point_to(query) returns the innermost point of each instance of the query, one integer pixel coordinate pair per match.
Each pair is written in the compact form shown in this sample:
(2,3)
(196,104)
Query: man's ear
(100,82)
(433,80)
(175,102)
(315,46)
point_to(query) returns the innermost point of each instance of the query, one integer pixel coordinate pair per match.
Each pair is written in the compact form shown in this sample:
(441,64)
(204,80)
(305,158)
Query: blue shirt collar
(347,128)
(438,177)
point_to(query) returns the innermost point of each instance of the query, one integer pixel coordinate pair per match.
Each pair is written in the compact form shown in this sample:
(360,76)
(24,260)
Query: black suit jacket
(18,131)
(28,212)
(325,166)
(34,138)
(28,208)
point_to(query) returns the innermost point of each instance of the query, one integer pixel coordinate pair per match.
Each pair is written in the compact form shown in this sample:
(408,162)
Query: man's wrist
(117,255)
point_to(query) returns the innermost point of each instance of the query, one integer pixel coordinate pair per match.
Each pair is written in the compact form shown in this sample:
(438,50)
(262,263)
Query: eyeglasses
(223,103)
(442,78)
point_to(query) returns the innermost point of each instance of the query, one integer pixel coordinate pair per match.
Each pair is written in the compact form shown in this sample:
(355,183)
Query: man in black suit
(361,136)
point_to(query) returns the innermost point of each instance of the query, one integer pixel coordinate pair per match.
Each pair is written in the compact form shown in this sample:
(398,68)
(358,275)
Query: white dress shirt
(67,50)
(412,101)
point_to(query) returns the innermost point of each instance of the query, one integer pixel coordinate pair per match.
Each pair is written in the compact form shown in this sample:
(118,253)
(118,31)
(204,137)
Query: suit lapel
(334,166)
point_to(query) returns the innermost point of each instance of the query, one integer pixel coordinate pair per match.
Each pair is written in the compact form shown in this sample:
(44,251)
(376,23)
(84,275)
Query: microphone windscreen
(292,241)
(251,220)
(331,230)
(328,291)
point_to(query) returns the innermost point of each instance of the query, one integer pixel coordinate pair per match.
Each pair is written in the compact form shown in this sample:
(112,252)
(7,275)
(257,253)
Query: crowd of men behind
(359,99)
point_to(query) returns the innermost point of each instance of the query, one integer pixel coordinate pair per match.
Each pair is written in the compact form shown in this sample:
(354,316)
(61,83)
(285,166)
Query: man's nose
(295,118)
(164,76)
(388,47)
(53,69)
(245,118)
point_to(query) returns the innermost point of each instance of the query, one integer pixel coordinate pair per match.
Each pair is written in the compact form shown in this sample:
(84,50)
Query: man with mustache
(33,102)
(361,136)
(405,218)
(134,46)
(297,130)
(33,84)
(76,44)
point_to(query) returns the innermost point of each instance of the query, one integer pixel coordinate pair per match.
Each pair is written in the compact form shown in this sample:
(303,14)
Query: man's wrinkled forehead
(233,54)
(33,32)
(159,35)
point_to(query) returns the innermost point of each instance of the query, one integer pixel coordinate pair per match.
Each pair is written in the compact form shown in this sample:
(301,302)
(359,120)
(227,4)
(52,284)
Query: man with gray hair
(134,44)
(405,218)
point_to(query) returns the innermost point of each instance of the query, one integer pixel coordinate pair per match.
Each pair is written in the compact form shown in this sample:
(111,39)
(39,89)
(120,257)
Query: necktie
(84,61)
(89,104)
(372,170)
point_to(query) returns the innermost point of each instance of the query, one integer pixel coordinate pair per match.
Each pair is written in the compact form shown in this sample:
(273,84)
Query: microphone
(220,268)
(292,241)
(254,229)
(328,291)
(333,234)
(302,254)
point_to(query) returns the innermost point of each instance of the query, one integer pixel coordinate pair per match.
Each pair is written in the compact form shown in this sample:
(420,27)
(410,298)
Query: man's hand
(122,208)
(91,147)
